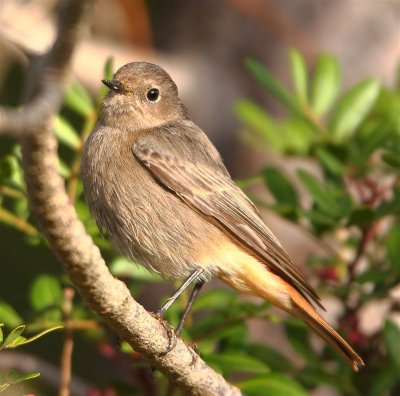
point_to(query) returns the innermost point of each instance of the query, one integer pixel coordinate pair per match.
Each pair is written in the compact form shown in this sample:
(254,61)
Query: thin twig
(16,122)
(11,192)
(68,345)
(74,324)
(17,222)
(367,236)
(369,194)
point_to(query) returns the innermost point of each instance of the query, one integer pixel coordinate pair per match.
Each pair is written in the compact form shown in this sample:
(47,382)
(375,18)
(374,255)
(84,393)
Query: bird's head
(142,94)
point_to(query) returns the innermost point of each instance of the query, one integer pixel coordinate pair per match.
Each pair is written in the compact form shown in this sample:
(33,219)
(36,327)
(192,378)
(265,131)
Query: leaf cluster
(345,194)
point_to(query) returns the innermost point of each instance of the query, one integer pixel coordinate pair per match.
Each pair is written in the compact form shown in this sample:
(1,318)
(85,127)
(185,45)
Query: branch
(15,122)
(81,258)
(68,345)
(50,76)
(107,296)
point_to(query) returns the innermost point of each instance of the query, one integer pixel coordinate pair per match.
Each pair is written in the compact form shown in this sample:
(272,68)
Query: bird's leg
(172,335)
(160,313)
(192,278)
(196,290)
(189,305)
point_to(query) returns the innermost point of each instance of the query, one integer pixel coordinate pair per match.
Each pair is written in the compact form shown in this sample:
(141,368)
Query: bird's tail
(304,310)
(254,278)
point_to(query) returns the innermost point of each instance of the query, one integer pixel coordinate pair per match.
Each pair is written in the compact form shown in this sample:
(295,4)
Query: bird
(156,184)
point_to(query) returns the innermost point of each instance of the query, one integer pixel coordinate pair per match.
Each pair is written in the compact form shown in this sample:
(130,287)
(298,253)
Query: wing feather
(204,184)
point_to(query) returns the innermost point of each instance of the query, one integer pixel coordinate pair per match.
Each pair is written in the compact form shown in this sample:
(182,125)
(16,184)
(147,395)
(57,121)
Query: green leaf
(41,334)
(393,247)
(320,220)
(12,337)
(210,325)
(297,134)
(230,362)
(330,162)
(280,186)
(272,385)
(298,336)
(214,327)
(19,341)
(257,119)
(362,216)
(214,299)
(250,308)
(45,292)
(78,100)
(353,108)
(109,68)
(66,134)
(375,275)
(25,377)
(392,206)
(1,333)
(391,338)
(272,358)
(392,159)
(319,192)
(383,381)
(121,266)
(13,377)
(269,82)
(372,139)
(63,169)
(225,333)
(11,172)
(299,75)
(9,316)
(326,84)
(314,376)
(125,347)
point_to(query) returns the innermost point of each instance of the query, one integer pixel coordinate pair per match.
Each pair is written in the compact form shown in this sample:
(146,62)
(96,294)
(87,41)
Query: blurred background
(202,44)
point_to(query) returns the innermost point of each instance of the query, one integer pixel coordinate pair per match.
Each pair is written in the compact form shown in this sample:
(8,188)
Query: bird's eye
(153,95)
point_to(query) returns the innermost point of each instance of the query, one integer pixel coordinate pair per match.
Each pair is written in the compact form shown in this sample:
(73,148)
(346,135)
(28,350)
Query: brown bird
(157,185)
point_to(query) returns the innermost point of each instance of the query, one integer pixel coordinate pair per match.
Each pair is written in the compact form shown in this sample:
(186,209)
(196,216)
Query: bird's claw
(194,350)
(172,339)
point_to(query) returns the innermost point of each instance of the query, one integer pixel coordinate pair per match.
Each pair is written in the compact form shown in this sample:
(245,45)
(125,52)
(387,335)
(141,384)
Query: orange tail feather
(252,277)
(304,310)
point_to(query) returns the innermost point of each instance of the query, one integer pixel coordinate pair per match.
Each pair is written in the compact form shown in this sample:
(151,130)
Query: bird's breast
(145,221)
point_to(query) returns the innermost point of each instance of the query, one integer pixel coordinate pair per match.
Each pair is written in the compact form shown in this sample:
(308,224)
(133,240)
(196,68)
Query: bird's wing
(203,183)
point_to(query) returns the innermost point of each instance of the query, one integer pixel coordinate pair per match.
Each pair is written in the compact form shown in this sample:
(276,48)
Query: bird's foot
(172,339)
(194,350)
(170,334)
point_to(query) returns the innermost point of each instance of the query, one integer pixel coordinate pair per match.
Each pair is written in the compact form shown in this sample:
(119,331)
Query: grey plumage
(147,222)
(144,220)
(156,184)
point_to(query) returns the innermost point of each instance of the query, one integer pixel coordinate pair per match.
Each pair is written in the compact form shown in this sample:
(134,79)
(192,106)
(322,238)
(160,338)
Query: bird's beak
(114,85)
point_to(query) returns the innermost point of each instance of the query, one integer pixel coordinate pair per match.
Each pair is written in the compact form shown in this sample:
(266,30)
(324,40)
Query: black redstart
(157,185)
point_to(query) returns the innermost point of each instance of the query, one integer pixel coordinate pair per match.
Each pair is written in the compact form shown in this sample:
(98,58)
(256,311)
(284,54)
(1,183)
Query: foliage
(352,139)
(13,340)
(345,195)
